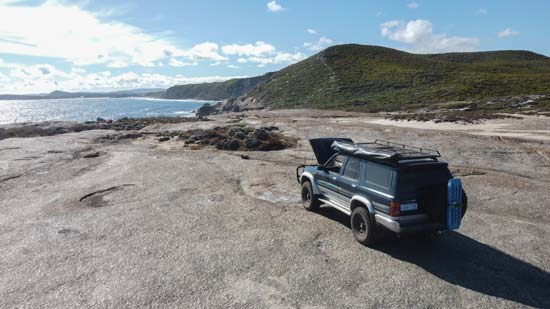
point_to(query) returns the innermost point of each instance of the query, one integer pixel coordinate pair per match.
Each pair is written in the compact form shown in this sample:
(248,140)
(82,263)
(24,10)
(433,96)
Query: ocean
(88,109)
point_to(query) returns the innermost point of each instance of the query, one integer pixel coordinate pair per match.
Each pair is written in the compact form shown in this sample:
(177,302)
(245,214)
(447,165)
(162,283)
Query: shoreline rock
(50,128)
(240,104)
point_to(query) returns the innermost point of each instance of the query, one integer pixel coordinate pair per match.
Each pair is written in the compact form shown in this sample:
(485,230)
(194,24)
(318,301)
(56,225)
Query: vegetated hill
(232,88)
(374,78)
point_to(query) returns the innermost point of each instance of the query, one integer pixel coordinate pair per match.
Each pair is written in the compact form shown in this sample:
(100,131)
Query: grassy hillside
(216,91)
(373,78)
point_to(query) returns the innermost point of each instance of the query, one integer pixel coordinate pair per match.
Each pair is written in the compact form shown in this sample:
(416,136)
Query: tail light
(395,209)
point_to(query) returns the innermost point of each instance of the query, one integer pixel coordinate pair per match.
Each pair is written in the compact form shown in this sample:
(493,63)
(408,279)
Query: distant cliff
(232,88)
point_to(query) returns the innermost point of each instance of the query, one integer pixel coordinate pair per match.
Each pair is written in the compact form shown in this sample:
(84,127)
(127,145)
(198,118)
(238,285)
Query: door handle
(333,178)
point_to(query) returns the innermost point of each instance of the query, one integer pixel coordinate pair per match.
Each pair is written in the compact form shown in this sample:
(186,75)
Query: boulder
(261,134)
(229,144)
(234,130)
(272,145)
(206,110)
(240,135)
(252,143)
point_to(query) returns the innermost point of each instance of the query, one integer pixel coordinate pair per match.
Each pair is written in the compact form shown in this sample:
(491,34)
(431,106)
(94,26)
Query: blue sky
(106,45)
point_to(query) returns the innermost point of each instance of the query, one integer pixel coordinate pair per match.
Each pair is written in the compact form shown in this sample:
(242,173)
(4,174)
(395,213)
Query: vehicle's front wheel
(310,202)
(363,226)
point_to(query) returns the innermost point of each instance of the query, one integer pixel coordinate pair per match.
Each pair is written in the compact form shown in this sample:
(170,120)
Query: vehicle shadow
(461,260)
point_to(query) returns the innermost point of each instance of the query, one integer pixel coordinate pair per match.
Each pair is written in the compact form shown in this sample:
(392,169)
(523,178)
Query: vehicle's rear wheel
(310,202)
(363,226)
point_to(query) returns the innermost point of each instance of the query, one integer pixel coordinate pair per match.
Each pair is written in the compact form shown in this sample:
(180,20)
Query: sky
(101,45)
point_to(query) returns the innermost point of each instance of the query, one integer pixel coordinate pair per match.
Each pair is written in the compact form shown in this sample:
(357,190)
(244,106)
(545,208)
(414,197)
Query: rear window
(352,168)
(378,176)
(411,180)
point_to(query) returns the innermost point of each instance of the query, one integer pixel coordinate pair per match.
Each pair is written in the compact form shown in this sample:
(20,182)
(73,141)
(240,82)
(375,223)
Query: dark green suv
(382,185)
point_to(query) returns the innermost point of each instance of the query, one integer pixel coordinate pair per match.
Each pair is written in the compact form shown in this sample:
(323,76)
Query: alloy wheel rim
(306,197)
(360,224)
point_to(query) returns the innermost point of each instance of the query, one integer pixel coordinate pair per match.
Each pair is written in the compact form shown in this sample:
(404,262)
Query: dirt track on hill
(89,221)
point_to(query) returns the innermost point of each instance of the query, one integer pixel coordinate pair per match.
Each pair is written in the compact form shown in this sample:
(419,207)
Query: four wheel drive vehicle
(383,185)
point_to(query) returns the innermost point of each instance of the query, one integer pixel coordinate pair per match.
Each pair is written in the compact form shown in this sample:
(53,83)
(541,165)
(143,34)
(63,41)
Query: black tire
(363,226)
(309,200)
(464,203)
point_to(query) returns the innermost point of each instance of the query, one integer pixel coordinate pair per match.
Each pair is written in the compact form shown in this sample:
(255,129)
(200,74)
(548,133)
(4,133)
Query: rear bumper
(407,224)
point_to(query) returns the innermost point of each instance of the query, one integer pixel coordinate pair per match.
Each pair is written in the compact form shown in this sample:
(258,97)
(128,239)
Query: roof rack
(386,150)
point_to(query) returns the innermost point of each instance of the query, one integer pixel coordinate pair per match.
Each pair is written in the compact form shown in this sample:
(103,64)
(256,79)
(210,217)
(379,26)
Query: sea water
(88,109)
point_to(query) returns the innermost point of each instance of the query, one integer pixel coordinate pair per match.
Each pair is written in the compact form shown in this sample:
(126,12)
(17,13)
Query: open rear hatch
(427,186)
(322,147)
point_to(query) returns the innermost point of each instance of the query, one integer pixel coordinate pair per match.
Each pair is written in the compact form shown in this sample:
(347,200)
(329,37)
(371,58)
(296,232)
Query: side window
(379,176)
(352,168)
(336,163)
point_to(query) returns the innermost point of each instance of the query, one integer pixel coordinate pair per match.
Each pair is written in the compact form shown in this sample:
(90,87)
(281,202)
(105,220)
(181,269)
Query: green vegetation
(232,88)
(373,78)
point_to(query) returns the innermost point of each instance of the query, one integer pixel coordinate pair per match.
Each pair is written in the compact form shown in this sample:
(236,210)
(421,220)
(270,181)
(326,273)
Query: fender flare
(309,176)
(363,200)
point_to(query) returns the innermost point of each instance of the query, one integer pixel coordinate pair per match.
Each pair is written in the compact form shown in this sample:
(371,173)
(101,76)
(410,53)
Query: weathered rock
(270,128)
(207,110)
(272,145)
(93,154)
(251,143)
(164,139)
(261,134)
(229,144)
(234,130)
(240,135)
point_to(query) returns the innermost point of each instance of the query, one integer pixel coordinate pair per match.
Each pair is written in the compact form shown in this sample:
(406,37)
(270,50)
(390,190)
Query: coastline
(525,127)
(89,109)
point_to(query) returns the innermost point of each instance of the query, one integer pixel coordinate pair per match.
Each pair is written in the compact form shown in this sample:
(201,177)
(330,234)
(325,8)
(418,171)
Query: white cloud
(4,64)
(280,57)
(321,44)
(46,78)
(257,49)
(273,6)
(206,50)
(117,64)
(508,32)
(482,11)
(4,78)
(178,63)
(311,31)
(78,70)
(260,53)
(419,35)
(413,5)
(68,32)
(37,71)
(232,66)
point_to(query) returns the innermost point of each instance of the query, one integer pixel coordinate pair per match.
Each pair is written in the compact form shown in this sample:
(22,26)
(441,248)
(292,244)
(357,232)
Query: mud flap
(454,203)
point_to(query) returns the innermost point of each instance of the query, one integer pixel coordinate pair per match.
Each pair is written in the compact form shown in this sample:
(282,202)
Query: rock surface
(150,224)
